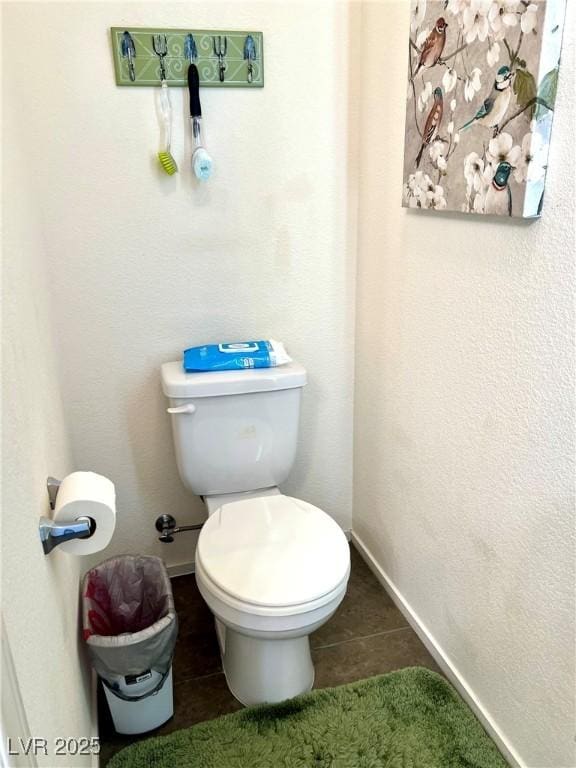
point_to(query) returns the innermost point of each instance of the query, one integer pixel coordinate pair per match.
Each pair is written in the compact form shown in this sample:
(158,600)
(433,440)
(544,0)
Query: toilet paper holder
(52,534)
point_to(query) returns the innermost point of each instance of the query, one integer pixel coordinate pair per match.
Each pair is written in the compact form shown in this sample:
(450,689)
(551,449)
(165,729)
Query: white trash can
(130,629)
(139,710)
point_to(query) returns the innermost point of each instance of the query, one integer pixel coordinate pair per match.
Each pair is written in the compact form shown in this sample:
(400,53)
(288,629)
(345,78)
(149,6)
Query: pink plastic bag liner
(129,621)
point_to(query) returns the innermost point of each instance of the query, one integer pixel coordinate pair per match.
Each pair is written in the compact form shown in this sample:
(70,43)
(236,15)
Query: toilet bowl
(272,569)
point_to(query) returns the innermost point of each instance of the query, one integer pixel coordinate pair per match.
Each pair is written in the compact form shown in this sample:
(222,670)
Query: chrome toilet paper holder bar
(52,534)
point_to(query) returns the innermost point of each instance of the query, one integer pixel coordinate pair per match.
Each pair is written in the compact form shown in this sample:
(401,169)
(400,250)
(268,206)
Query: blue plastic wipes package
(235,356)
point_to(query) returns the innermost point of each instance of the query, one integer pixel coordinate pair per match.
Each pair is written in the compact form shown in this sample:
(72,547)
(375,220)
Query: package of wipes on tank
(234,356)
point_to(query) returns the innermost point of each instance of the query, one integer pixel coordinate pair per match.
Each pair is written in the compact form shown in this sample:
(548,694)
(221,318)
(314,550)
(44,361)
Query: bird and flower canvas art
(482,81)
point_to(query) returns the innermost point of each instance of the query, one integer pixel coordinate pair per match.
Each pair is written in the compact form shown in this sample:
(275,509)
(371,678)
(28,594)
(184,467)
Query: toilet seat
(273,555)
(258,619)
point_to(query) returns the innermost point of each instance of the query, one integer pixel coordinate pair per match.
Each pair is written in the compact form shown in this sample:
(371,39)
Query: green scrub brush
(165,157)
(160,45)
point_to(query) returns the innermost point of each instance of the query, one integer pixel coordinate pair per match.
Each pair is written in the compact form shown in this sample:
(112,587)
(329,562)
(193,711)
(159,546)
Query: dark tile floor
(366,636)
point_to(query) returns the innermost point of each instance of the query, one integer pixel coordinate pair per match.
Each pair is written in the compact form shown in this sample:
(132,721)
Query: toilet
(272,568)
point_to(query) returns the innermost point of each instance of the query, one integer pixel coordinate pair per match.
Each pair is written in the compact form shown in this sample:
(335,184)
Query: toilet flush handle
(188,408)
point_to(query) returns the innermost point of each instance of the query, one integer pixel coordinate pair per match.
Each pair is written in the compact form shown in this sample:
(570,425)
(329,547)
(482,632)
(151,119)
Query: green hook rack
(138,60)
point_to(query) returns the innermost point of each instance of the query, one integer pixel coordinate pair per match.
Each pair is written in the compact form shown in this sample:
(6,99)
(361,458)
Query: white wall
(40,594)
(143,265)
(464,433)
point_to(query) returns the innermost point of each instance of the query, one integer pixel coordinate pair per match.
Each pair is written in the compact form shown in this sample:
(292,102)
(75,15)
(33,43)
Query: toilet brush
(160,45)
(165,156)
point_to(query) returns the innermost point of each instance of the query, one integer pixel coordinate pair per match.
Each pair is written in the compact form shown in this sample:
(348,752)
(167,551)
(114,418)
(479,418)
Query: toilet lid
(273,551)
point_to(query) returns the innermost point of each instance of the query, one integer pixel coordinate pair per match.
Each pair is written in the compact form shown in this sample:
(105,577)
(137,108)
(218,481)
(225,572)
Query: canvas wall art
(482,80)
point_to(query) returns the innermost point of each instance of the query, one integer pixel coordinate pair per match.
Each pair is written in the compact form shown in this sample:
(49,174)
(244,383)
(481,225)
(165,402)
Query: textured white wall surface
(39,594)
(143,265)
(464,415)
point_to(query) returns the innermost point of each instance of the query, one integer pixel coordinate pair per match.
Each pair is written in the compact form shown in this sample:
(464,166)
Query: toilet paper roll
(86,494)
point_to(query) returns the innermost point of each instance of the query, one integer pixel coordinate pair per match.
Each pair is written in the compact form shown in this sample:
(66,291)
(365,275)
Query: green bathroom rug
(407,719)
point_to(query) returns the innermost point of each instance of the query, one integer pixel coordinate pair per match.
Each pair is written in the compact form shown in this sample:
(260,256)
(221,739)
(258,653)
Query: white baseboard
(439,655)
(183,569)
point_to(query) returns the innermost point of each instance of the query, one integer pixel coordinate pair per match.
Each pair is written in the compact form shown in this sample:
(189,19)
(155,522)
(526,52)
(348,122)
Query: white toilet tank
(234,431)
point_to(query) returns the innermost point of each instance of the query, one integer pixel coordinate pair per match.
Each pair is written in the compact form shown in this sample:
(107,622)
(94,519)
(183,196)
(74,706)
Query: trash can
(130,628)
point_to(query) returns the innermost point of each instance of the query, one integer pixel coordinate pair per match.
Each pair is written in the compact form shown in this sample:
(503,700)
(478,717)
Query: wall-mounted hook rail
(225,59)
